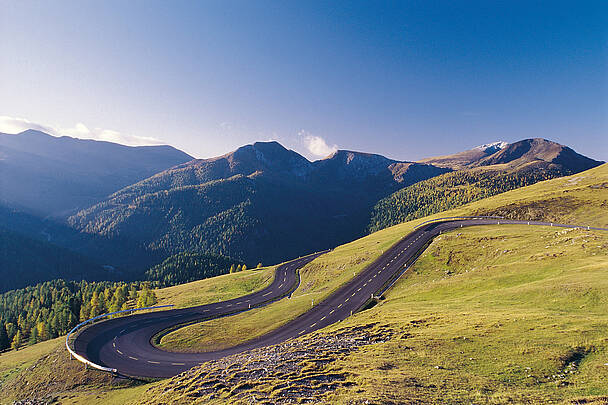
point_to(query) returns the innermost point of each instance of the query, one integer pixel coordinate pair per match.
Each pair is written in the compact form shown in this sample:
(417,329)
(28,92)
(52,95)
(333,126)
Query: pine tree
(259,265)
(244,267)
(16,341)
(232,269)
(34,336)
(4,342)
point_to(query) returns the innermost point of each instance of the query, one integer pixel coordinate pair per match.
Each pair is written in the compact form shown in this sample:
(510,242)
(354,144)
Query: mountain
(467,158)
(48,175)
(536,153)
(528,154)
(25,261)
(35,249)
(261,202)
(483,172)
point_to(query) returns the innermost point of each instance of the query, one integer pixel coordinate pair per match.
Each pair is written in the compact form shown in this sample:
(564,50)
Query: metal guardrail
(90,363)
(447,218)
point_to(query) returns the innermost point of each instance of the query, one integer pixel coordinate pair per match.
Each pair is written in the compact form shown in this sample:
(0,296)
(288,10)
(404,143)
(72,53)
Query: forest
(50,309)
(448,191)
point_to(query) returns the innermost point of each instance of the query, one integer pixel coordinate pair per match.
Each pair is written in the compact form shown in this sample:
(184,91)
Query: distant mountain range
(132,207)
(261,202)
(55,176)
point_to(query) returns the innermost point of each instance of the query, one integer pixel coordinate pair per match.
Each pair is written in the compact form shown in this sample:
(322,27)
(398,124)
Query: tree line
(448,191)
(52,308)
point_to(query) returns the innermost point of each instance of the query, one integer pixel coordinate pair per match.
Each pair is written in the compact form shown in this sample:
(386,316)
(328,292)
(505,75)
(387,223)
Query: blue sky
(406,79)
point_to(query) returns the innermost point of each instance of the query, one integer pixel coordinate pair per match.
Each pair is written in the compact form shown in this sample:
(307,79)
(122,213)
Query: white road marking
(179,364)
(119,352)
(133,358)
(313,325)
(359,289)
(339,305)
(268,293)
(332,311)
(302,332)
(153,362)
(322,318)
(122,331)
(281,285)
(240,302)
(113,344)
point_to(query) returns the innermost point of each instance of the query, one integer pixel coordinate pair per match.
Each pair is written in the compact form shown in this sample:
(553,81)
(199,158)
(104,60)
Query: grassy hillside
(493,314)
(586,203)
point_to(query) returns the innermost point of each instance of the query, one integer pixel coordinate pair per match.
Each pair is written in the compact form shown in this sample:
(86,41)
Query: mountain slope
(528,153)
(508,167)
(25,261)
(52,176)
(516,311)
(121,259)
(261,202)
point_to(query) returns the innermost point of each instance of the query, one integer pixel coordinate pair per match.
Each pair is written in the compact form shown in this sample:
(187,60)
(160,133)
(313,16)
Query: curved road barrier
(125,343)
(88,321)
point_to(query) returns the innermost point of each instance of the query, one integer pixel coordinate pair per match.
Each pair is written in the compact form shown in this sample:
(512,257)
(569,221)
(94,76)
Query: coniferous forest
(448,191)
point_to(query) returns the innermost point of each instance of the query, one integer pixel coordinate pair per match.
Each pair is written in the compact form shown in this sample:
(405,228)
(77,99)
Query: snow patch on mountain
(493,147)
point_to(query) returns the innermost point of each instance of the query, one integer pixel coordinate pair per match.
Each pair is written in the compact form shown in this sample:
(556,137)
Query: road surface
(125,343)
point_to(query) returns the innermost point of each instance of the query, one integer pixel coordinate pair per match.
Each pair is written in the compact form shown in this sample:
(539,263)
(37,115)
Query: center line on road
(119,352)
(323,318)
(218,307)
(179,364)
(302,332)
(153,362)
(339,305)
(359,289)
(313,325)
(268,293)
(281,285)
(332,311)
(133,358)
(113,344)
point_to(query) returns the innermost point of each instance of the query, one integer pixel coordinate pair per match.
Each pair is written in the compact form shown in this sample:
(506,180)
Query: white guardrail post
(90,363)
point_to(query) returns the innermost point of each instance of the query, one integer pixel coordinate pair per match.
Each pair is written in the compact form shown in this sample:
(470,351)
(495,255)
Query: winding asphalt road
(125,343)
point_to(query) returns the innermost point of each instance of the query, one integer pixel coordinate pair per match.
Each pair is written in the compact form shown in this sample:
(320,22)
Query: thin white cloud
(13,125)
(316,145)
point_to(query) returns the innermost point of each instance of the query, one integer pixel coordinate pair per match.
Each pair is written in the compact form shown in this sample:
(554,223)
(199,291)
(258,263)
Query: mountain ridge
(53,175)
